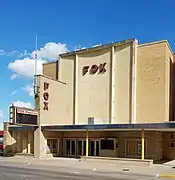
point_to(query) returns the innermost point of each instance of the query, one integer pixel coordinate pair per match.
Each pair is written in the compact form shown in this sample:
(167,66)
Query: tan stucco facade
(120,83)
(51,69)
(134,88)
(56,90)
(153,82)
(76,97)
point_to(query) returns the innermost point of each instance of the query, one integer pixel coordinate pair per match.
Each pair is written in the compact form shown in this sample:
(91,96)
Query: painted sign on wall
(100,69)
(46,96)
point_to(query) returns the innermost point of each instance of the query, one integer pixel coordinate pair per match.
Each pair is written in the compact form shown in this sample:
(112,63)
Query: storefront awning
(146,126)
(151,126)
(22,128)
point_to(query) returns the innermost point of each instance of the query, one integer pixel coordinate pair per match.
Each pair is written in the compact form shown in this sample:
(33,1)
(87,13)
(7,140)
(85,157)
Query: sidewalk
(154,170)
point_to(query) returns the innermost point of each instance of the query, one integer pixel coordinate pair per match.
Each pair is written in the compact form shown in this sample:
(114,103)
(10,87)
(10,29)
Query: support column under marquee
(39,144)
(143,144)
(14,141)
(29,142)
(7,139)
(24,141)
(87,143)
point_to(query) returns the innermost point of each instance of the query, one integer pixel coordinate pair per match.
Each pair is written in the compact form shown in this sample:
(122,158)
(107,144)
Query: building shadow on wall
(170,163)
(19,145)
(162,161)
(172,90)
(7,151)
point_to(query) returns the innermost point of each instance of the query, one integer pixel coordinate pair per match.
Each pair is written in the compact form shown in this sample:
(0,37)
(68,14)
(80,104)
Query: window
(107,144)
(139,149)
(172,144)
(52,146)
(172,136)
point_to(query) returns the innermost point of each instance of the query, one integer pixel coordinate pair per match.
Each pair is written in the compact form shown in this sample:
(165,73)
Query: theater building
(113,100)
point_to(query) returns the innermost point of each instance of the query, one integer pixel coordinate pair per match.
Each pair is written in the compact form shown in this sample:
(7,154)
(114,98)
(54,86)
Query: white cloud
(79,47)
(29,89)
(10,53)
(22,104)
(24,54)
(52,50)
(14,92)
(1,126)
(25,67)
(1,114)
(14,76)
(2,52)
(1,118)
(96,45)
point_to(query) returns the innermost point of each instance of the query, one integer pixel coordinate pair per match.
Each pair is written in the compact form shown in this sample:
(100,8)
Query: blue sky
(65,25)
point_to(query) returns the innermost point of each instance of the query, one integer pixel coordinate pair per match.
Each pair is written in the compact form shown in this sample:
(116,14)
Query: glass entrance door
(81,147)
(94,148)
(70,147)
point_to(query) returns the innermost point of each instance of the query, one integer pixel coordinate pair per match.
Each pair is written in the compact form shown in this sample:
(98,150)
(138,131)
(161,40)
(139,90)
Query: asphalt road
(8,172)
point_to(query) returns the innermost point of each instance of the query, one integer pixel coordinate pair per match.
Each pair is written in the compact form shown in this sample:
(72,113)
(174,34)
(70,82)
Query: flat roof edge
(91,49)
(50,62)
(113,126)
(157,42)
(50,78)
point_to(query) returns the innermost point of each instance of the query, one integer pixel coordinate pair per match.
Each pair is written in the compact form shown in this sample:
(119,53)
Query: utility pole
(35,72)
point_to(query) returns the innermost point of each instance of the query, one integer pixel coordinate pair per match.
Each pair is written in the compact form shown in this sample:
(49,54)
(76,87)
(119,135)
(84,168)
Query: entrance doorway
(70,147)
(81,147)
(94,148)
(77,147)
(134,148)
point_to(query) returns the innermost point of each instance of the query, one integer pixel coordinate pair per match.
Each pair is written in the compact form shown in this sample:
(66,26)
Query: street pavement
(22,172)
(60,168)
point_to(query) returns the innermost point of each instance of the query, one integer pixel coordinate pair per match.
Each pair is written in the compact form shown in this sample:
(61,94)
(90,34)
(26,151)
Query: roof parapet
(91,49)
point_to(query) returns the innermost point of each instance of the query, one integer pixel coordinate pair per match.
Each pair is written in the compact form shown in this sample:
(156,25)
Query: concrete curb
(165,176)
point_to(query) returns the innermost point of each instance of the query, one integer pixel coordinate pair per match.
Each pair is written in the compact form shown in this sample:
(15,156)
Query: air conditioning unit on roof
(94,120)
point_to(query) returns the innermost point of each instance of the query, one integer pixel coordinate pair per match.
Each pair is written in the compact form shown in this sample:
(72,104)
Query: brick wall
(154,143)
(169,152)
